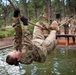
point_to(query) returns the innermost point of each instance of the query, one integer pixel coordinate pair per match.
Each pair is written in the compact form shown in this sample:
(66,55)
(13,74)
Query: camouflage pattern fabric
(41,46)
(66,28)
(27,39)
(18,35)
(46,30)
(73,27)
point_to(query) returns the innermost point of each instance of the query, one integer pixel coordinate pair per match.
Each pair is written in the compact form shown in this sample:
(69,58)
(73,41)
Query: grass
(2,35)
(7,32)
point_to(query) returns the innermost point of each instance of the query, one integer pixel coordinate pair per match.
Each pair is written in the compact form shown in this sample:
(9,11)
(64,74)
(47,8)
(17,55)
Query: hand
(16,12)
(24,20)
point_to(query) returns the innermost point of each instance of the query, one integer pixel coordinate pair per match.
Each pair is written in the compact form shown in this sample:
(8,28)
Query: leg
(40,46)
(68,39)
(38,38)
(49,43)
(38,32)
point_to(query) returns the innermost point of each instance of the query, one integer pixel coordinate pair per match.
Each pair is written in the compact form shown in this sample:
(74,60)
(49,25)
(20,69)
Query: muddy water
(62,61)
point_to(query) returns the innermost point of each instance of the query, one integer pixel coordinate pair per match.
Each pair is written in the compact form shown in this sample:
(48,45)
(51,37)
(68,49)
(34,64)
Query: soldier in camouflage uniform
(69,27)
(41,46)
(72,23)
(66,27)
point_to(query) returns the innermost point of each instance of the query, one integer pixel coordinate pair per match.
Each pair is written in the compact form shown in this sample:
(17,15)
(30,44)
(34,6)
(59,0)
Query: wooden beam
(65,35)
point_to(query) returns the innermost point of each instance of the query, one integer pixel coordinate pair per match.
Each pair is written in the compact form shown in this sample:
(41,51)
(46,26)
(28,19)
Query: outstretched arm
(18,30)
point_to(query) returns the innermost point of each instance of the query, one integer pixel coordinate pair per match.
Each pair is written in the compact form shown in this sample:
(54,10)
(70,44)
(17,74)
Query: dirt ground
(6,41)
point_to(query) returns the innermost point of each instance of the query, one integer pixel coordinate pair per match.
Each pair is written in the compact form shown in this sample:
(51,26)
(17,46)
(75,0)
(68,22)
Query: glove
(24,20)
(16,12)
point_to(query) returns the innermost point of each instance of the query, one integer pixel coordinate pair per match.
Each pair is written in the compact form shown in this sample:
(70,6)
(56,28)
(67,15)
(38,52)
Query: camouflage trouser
(17,35)
(41,46)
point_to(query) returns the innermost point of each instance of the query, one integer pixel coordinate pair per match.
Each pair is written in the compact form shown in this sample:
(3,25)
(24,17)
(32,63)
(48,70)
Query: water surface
(62,61)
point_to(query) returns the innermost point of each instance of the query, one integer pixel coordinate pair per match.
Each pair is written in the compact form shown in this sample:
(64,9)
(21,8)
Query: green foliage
(6,11)
(2,35)
(9,32)
(31,27)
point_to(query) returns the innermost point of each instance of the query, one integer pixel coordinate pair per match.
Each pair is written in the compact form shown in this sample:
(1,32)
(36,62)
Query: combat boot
(54,26)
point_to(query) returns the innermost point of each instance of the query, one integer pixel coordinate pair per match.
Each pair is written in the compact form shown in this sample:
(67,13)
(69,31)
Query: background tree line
(32,9)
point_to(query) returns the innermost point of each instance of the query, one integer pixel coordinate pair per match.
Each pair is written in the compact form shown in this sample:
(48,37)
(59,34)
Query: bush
(2,23)
(2,35)
(9,32)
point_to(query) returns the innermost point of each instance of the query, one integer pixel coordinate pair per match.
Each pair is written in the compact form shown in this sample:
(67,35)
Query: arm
(18,30)
(25,22)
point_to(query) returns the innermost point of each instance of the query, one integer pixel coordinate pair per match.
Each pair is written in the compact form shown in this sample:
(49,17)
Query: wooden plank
(65,35)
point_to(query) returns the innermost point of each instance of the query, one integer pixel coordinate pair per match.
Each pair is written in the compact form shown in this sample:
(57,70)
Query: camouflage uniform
(73,27)
(66,28)
(69,28)
(41,46)
(27,39)
(18,35)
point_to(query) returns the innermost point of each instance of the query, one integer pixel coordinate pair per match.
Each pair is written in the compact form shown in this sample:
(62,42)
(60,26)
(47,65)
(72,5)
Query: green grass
(7,32)
(2,35)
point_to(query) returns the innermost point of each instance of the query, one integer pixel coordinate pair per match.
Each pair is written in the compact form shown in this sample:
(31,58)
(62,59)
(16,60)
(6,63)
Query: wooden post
(66,41)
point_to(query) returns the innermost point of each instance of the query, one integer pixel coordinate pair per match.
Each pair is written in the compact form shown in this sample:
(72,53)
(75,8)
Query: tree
(63,8)
(49,10)
(45,9)
(25,7)
(69,7)
(73,6)
(35,9)
(4,11)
